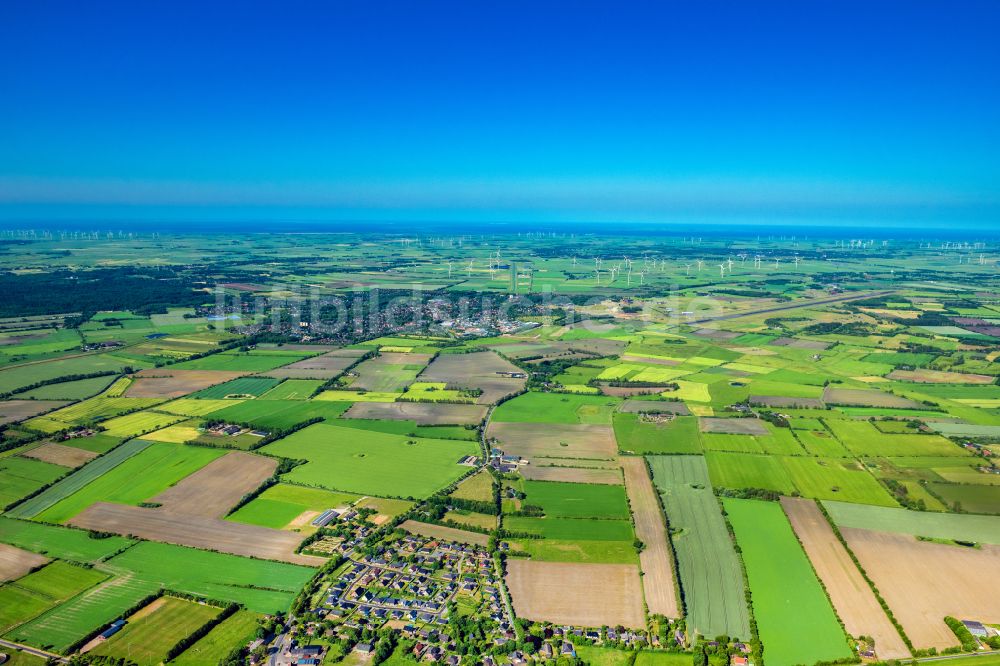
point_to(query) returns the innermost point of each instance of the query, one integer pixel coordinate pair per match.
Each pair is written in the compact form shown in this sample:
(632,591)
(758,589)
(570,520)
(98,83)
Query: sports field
(151,631)
(794,618)
(377,463)
(710,572)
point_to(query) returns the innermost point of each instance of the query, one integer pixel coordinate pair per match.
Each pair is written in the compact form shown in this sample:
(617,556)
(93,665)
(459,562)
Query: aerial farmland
(790,463)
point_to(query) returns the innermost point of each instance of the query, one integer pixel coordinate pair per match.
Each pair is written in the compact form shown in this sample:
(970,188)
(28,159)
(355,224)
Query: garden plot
(487,371)
(421,413)
(588,595)
(554,440)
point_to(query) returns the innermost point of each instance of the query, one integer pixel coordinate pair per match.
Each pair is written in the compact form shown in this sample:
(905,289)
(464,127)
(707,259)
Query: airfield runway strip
(792,306)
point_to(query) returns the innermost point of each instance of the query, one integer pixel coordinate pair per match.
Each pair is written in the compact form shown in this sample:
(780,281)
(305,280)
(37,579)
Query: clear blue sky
(813,111)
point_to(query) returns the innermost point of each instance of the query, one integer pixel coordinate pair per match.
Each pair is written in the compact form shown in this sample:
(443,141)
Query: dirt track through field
(924,581)
(195,531)
(446,533)
(555,440)
(849,592)
(536,472)
(588,595)
(15,562)
(60,454)
(655,558)
(217,487)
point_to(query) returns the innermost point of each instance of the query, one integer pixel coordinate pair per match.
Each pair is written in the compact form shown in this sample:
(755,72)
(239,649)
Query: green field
(77,480)
(577,500)
(372,462)
(679,435)
(56,541)
(138,423)
(20,477)
(536,407)
(26,375)
(572,529)
(279,414)
(282,503)
(259,361)
(241,387)
(74,390)
(969,497)
(960,527)
(710,573)
(294,389)
(140,477)
(148,636)
(864,439)
(35,593)
(236,630)
(795,621)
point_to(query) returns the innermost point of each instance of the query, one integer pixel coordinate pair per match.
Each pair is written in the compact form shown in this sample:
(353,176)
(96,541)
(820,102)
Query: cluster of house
(977,449)
(413,580)
(231,430)
(504,463)
(101,346)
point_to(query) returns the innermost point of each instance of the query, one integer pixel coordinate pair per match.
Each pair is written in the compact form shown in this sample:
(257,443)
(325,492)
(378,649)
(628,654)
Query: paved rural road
(30,650)
(791,306)
(946,657)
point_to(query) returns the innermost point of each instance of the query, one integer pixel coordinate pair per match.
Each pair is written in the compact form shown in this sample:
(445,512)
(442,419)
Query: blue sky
(815,112)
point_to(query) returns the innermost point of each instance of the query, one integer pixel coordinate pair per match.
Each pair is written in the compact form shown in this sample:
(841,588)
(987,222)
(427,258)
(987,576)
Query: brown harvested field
(866,398)
(716,334)
(195,531)
(165,383)
(555,440)
(476,370)
(784,401)
(326,366)
(655,407)
(445,533)
(18,410)
(535,472)
(629,391)
(940,377)
(732,426)
(796,343)
(850,594)
(15,562)
(650,528)
(924,581)
(421,412)
(60,454)
(583,595)
(218,486)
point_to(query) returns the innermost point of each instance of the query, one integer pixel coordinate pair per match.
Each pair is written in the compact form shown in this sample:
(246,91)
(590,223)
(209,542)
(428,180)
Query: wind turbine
(722,270)
(687,268)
